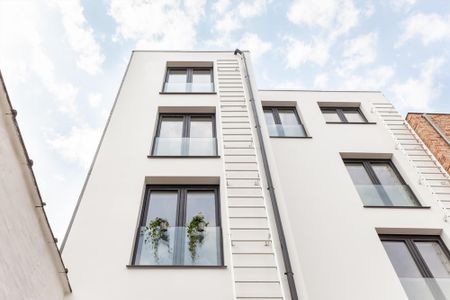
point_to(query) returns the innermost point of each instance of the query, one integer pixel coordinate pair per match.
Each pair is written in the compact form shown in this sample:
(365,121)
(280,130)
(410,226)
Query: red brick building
(434,130)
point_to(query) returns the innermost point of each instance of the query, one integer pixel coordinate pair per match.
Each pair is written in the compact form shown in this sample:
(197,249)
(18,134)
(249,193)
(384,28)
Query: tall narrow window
(379,183)
(283,121)
(180,225)
(422,263)
(189,80)
(185,135)
(343,115)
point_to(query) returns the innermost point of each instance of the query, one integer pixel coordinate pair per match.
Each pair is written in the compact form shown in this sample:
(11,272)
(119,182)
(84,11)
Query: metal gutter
(77,206)
(316,91)
(284,249)
(436,128)
(41,205)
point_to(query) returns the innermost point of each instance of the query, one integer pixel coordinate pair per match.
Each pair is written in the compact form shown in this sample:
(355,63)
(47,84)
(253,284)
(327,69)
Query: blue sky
(63,61)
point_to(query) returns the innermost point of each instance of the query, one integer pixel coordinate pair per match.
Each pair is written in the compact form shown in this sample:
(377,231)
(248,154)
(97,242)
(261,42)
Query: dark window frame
(185,131)
(367,165)
(340,112)
(189,76)
(410,243)
(277,119)
(182,191)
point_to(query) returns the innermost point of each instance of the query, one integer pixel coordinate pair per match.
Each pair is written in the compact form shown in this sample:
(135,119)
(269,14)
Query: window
(179,225)
(185,135)
(379,183)
(283,121)
(343,115)
(422,263)
(189,80)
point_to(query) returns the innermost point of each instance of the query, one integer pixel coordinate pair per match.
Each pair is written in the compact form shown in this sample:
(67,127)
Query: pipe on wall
(279,225)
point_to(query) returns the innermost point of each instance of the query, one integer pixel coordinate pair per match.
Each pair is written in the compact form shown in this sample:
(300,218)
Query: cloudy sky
(63,61)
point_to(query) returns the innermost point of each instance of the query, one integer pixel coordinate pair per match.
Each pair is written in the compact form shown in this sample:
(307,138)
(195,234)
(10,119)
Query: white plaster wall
(100,243)
(28,269)
(332,238)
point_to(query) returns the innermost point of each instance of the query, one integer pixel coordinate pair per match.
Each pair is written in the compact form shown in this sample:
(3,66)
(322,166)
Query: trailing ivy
(195,236)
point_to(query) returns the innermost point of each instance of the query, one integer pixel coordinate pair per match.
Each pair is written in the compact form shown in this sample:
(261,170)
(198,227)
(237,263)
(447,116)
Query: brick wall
(430,137)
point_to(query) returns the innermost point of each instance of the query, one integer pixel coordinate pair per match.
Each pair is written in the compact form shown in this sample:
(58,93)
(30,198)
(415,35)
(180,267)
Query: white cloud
(335,18)
(81,36)
(78,146)
(251,9)
(95,99)
(321,81)
(418,93)
(377,78)
(23,49)
(299,52)
(428,27)
(402,4)
(158,24)
(338,15)
(252,42)
(220,6)
(359,51)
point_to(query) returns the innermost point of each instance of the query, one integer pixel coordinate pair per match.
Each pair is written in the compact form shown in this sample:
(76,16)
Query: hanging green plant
(156,231)
(195,232)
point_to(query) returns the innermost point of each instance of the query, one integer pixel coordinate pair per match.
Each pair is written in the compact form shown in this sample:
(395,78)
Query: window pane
(369,193)
(288,117)
(156,242)
(401,259)
(358,173)
(331,116)
(201,127)
(162,204)
(202,246)
(171,127)
(201,76)
(437,261)
(269,117)
(415,285)
(177,76)
(201,202)
(354,116)
(386,175)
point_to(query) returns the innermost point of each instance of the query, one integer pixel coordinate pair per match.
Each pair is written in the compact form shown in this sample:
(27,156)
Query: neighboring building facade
(205,188)
(30,264)
(434,130)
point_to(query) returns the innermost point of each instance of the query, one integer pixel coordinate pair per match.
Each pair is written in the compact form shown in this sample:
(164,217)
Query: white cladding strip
(430,171)
(253,258)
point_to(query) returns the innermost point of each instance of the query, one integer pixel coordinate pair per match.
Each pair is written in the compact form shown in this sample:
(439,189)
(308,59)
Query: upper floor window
(422,264)
(343,115)
(189,80)
(283,122)
(179,225)
(379,183)
(185,135)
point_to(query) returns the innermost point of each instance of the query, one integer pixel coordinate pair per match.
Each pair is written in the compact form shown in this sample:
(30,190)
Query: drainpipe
(284,250)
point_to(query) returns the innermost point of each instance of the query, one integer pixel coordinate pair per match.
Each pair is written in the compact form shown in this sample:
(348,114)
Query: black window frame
(185,132)
(340,112)
(189,76)
(409,241)
(182,191)
(277,119)
(367,164)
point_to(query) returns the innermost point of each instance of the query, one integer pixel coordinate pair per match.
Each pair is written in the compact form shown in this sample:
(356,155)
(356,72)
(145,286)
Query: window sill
(385,206)
(290,137)
(187,156)
(187,93)
(360,123)
(176,267)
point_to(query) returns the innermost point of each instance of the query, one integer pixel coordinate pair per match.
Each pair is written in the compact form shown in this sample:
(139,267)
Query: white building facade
(31,267)
(204,187)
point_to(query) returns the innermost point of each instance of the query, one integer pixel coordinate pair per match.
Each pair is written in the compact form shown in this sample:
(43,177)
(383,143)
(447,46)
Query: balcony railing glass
(175,247)
(185,147)
(170,87)
(387,195)
(286,130)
